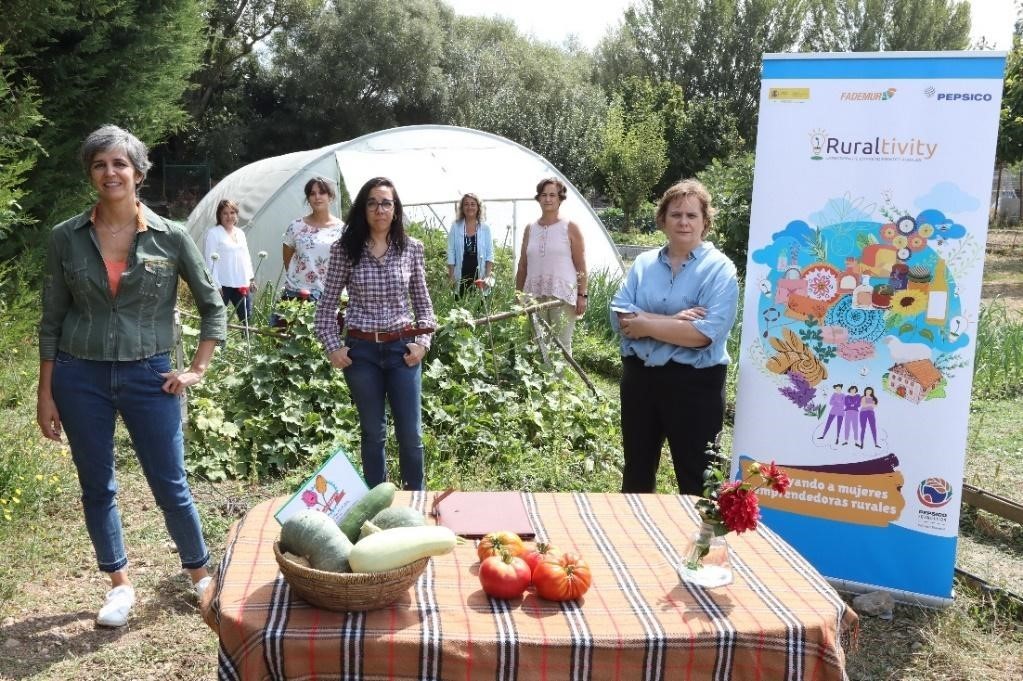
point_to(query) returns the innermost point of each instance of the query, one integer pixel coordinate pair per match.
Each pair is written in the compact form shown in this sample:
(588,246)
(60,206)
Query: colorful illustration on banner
(859,302)
(859,312)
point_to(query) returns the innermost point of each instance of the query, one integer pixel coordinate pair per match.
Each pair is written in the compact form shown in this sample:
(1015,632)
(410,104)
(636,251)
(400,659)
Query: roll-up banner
(866,252)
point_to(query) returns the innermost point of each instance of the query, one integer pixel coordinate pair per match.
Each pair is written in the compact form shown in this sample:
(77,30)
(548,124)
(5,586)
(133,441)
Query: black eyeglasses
(385,205)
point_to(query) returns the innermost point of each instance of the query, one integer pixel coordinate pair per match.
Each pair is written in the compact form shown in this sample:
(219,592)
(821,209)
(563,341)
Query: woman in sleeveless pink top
(552,265)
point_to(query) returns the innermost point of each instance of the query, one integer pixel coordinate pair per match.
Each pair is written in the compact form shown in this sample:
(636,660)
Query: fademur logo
(824,146)
(789,94)
(882,96)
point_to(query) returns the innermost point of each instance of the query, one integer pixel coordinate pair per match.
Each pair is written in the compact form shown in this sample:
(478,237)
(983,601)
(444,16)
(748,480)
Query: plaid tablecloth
(779,620)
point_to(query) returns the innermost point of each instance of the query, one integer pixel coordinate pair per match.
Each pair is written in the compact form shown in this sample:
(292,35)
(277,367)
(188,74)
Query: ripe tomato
(495,542)
(504,576)
(539,553)
(563,578)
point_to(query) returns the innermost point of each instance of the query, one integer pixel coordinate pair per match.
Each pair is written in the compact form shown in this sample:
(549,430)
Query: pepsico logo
(934,492)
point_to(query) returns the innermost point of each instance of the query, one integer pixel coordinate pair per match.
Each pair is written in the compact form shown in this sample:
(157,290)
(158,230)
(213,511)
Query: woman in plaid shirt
(387,325)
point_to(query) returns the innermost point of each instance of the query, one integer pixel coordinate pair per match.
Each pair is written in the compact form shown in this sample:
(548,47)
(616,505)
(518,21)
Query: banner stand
(866,250)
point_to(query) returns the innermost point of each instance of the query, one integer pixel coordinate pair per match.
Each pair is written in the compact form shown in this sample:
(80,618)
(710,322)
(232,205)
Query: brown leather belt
(389,336)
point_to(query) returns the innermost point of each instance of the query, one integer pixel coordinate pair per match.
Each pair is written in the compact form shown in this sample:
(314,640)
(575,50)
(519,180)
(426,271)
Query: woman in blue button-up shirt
(674,313)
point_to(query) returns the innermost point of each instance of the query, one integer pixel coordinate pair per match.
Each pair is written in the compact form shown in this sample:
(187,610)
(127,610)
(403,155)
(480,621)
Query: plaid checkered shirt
(379,293)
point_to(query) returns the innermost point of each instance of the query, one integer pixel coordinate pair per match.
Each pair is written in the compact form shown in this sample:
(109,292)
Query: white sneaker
(114,612)
(201,586)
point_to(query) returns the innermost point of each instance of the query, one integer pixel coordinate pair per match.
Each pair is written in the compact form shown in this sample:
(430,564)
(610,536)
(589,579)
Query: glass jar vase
(705,561)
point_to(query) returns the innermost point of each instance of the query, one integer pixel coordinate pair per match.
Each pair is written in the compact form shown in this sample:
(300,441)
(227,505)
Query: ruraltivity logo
(934,492)
(882,96)
(824,146)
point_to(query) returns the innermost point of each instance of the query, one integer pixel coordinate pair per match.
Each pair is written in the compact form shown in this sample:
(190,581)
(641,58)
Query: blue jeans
(378,371)
(89,395)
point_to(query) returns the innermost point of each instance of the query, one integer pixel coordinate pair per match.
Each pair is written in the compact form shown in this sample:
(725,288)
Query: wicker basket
(349,591)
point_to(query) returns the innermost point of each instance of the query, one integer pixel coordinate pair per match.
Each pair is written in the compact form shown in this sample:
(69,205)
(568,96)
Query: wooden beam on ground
(567,355)
(993,503)
(1015,601)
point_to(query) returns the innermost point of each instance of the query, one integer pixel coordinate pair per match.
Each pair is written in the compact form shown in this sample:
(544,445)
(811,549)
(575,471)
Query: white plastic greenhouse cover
(431,166)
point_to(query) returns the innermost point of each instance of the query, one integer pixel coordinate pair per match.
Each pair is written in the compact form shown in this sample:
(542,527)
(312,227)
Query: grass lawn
(50,590)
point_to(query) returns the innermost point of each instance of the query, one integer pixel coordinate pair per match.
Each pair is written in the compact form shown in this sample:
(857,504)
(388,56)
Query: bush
(730,183)
(494,414)
(614,219)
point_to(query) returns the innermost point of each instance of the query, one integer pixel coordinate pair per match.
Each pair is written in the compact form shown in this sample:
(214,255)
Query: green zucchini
(314,536)
(398,516)
(375,500)
(399,546)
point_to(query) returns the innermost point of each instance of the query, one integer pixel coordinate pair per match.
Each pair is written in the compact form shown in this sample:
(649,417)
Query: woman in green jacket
(105,338)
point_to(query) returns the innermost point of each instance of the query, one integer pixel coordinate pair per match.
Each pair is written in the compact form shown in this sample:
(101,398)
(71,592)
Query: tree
(233,29)
(875,25)
(19,117)
(730,182)
(354,67)
(710,48)
(120,61)
(697,131)
(1010,128)
(531,92)
(633,157)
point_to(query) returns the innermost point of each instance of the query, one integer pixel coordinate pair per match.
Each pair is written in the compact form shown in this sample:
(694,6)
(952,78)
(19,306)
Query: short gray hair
(112,137)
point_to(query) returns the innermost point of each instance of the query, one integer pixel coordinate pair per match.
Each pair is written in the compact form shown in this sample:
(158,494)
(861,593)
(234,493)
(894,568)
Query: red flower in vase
(776,477)
(739,507)
(733,506)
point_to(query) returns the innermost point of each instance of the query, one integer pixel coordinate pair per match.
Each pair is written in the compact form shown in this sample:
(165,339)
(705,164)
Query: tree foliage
(533,93)
(1010,129)
(19,117)
(118,61)
(710,48)
(632,157)
(730,182)
(219,117)
(353,67)
(696,131)
(875,25)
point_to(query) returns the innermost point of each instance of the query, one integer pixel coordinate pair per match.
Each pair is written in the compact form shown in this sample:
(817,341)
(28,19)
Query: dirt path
(1003,270)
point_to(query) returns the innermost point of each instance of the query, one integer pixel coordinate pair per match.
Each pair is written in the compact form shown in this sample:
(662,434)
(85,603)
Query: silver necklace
(114,232)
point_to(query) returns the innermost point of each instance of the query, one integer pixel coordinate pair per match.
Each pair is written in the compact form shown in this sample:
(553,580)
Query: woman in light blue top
(470,246)
(674,313)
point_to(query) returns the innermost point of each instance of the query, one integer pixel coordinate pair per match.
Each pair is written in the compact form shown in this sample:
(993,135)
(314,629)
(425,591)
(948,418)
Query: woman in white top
(307,243)
(228,260)
(552,265)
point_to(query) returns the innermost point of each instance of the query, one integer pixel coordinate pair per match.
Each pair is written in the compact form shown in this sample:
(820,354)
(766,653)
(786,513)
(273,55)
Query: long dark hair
(357,228)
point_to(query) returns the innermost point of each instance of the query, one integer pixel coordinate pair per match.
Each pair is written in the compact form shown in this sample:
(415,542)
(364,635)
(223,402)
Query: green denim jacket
(82,318)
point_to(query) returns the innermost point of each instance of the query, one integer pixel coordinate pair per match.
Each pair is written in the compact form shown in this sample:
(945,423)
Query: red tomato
(504,576)
(563,578)
(496,542)
(539,553)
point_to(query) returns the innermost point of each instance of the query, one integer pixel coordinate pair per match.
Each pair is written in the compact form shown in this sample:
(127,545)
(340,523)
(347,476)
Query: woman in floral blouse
(387,325)
(307,243)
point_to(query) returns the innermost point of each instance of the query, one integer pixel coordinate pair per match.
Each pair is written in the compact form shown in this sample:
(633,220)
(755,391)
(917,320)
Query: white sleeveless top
(549,267)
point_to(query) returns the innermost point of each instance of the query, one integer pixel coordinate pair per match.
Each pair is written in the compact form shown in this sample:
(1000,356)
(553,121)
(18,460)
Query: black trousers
(676,402)
(242,302)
